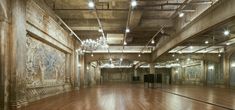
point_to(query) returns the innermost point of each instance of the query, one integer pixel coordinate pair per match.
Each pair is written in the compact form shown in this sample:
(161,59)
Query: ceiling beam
(216,15)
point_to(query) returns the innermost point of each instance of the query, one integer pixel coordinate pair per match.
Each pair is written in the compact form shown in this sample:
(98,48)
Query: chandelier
(91,45)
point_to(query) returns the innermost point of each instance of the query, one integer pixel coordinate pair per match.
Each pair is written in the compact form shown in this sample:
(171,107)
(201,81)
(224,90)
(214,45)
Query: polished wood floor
(121,96)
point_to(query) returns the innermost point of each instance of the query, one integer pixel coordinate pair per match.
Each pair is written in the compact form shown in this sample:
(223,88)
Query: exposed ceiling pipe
(152,38)
(71,31)
(144,9)
(127,27)
(177,4)
(101,27)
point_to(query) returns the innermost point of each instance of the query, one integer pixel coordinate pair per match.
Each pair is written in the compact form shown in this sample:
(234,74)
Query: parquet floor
(121,96)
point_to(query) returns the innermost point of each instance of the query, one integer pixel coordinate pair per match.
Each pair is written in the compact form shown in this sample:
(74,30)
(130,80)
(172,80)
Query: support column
(135,73)
(152,68)
(82,71)
(205,72)
(4,64)
(151,71)
(17,54)
(226,69)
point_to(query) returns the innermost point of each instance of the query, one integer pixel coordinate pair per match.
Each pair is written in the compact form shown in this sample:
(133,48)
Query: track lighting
(226,32)
(181,14)
(152,41)
(125,43)
(100,30)
(91,4)
(127,30)
(177,59)
(133,3)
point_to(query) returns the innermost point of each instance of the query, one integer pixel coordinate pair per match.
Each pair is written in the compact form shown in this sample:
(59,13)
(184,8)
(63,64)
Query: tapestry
(44,63)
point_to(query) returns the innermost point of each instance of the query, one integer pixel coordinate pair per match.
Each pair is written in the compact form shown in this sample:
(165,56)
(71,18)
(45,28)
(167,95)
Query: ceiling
(114,16)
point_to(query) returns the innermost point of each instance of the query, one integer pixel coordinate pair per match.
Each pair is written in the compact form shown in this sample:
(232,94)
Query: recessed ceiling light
(226,32)
(152,41)
(127,30)
(91,4)
(206,42)
(181,14)
(133,3)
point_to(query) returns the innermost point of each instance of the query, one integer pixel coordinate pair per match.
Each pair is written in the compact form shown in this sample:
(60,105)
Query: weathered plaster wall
(49,55)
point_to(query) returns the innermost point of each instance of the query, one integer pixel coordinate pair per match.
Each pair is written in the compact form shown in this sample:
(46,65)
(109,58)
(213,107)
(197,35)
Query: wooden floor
(137,97)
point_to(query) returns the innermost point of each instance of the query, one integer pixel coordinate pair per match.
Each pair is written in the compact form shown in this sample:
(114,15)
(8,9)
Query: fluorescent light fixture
(91,4)
(226,32)
(181,14)
(133,3)
(127,30)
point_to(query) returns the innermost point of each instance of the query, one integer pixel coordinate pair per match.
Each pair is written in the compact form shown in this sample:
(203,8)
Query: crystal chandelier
(91,45)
